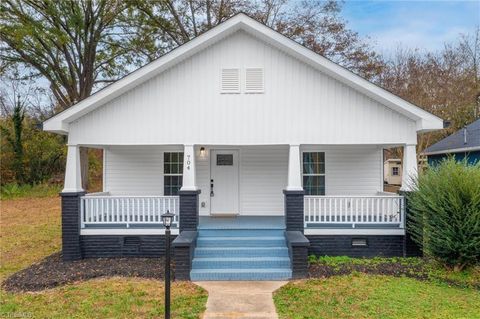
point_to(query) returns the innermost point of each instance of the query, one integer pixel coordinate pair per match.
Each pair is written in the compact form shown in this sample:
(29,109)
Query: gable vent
(254,82)
(230,81)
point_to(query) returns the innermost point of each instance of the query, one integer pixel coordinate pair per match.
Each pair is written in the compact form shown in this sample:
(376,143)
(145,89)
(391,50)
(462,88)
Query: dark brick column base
(294,220)
(298,251)
(188,210)
(411,248)
(184,247)
(71,226)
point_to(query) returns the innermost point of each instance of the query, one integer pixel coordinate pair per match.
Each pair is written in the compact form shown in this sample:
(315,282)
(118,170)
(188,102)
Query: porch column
(73,175)
(189,179)
(410,168)
(189,192)
(71,194)
(294,192)
(294,169)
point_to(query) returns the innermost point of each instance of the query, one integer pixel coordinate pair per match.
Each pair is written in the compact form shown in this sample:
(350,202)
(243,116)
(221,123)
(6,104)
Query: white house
(392,171)
(260,147)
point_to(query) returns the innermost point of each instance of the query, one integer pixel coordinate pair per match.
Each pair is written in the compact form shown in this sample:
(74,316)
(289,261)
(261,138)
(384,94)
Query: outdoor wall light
(202,151)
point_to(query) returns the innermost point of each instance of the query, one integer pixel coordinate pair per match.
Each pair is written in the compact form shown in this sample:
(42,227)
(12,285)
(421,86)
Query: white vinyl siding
(351,170)
(135,170)
(300,104)
(262,181)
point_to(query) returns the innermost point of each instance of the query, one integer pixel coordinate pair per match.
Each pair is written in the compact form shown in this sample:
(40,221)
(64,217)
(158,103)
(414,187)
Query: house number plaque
(188,162)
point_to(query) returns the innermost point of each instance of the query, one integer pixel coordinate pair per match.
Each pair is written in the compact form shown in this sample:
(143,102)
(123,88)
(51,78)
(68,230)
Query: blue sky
(425,25)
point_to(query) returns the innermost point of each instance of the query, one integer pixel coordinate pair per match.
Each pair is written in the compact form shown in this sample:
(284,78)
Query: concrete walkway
(240,299)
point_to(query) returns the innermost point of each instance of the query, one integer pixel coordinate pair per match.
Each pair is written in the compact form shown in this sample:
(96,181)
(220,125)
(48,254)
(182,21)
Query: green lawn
(366,296)
(107,298)
(30,231)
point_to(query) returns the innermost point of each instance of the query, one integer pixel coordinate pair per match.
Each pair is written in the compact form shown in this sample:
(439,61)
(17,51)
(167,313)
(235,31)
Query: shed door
(224,182)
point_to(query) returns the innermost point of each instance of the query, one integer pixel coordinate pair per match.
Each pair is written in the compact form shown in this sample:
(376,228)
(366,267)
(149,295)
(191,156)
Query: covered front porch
(341,187)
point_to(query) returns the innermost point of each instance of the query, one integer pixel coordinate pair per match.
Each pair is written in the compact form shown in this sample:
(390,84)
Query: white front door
(224,182)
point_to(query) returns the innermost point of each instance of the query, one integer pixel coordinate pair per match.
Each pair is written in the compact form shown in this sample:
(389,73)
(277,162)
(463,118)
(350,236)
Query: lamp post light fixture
(167,220)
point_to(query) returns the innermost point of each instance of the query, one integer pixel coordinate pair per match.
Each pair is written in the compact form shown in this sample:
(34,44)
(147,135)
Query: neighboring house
(392,171)
(463,144)
(264,150)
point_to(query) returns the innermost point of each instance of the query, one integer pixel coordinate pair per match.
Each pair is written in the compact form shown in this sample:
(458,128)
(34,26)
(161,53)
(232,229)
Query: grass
(418,267)
(107,298)
(366,296)
(11,191)
(30,230)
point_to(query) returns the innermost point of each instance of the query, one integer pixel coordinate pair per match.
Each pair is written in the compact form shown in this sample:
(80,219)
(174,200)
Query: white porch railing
(354,210)
(127,210)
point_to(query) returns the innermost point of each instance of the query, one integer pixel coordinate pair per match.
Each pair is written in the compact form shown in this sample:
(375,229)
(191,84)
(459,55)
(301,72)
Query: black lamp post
(167,220)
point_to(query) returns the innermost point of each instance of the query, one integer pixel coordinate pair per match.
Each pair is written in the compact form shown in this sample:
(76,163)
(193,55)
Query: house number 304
(188,162)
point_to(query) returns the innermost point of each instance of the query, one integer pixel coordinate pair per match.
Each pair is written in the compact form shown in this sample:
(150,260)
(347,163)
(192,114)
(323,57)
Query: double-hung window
(172,172)
(314,173)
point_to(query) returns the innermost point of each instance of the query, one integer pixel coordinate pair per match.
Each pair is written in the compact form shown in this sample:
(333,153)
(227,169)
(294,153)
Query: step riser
(239,233)
(240,264)
(241,276)
(241,254)
(232,252)
(241,243)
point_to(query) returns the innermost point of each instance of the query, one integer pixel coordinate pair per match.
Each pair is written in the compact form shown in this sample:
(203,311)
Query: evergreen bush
(444,213)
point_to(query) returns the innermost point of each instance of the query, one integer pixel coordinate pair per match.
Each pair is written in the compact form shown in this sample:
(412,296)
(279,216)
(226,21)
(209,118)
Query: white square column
(294,169)
(73,175)
(189,182)
(410,167)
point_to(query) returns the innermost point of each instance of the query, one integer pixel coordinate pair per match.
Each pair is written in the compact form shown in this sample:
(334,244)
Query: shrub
(13,190)
(444,213)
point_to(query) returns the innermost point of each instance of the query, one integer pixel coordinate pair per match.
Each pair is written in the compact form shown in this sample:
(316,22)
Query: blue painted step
(240,274)
(241,254)
(241,262)
(240,232)
(251,241)
(280,251)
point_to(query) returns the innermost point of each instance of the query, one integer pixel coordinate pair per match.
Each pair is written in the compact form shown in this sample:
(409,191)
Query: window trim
(393,171)
(307,174)
(170,174)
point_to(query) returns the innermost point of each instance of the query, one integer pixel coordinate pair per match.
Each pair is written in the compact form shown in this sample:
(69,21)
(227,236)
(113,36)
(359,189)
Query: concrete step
(263,241)
(240,274)
(280,251)
(240,262)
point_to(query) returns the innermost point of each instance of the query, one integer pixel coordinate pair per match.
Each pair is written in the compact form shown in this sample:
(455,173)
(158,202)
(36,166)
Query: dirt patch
(53,271)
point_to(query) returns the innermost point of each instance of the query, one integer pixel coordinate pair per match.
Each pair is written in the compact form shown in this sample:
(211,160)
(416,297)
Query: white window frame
(170,174)
(393,171)
(324,174)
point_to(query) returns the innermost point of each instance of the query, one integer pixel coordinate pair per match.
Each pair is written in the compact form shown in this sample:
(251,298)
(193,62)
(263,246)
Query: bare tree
(445,83)
(76,45)
(313,23)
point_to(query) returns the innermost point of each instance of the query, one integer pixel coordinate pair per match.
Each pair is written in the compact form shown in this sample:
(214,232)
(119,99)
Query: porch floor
(242,222)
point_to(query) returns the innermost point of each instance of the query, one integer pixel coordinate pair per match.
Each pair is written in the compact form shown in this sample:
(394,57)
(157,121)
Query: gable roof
(425,121)
(464,140)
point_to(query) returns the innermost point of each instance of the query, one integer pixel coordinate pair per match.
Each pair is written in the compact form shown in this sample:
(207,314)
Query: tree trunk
(84,167)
